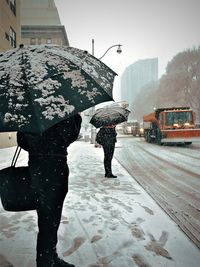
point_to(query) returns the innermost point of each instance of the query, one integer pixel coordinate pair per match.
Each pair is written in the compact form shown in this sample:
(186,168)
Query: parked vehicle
(135,128)
(127,127)
(171,125)
(141,129)
(131,127)
(119,128)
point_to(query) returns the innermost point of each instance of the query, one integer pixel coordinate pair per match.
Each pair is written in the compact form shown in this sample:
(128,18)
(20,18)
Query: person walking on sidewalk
(49,172)
(107,138)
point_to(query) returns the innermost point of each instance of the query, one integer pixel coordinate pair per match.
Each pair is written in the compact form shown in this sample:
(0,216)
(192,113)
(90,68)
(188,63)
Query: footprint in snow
(140,261)
(78,241)
(157,246)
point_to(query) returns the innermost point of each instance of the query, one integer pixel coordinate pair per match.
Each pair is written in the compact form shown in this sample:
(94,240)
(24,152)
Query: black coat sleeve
(74,129)
(22,141)
(70,129)
(55,140)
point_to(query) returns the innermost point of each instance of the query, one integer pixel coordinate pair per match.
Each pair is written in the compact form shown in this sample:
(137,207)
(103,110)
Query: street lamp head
(119,50)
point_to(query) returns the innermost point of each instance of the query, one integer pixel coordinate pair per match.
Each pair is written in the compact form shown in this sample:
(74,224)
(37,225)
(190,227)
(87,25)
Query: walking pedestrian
(107,138)
(49,172)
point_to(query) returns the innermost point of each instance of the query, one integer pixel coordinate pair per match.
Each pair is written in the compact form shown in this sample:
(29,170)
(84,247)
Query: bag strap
(16,155)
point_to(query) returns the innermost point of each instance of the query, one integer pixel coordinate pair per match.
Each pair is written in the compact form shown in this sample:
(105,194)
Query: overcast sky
(145,28)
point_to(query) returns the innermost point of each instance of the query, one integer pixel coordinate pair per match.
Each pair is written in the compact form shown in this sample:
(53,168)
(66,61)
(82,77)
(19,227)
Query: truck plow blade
(181,135)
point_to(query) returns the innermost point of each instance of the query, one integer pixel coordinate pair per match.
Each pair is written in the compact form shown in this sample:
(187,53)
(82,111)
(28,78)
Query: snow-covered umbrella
(42,85)
(108,115)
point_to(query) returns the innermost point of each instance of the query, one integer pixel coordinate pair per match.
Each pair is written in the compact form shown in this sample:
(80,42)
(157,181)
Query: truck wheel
(158,137)
(149,137)
(188,143)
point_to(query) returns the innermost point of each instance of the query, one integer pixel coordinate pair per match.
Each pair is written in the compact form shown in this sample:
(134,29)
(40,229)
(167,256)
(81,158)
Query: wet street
(170,174)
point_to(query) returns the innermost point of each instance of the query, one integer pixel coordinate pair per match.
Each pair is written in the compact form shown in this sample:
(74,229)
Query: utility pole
(119,50)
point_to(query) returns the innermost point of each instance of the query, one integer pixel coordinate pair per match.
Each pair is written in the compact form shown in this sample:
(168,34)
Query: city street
(170,174)
(105,222)
(84,70)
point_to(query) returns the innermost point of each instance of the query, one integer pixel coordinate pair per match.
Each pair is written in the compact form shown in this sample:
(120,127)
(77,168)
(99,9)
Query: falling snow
(105,222)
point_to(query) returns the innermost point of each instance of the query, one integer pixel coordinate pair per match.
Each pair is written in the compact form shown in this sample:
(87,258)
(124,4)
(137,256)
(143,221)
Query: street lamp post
(119,50)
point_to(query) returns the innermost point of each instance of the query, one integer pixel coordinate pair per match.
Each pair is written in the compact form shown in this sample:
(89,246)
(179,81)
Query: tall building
(136,76)
(10,37)
(40,23)
(10,27)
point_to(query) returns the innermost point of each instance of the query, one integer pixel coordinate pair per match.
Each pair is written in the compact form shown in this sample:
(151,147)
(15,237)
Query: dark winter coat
(49,179)
(53,141)
(106,136)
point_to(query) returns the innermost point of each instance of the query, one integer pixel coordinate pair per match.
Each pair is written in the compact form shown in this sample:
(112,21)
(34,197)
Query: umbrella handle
(16,155)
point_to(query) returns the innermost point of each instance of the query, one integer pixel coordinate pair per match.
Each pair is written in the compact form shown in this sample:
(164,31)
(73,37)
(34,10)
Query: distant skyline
(145,28)
(135,77)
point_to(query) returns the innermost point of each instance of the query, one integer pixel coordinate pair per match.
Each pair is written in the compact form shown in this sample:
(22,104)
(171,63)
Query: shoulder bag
(15,187)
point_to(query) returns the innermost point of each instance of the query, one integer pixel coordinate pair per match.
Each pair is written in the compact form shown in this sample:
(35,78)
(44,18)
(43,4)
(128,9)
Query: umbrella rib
(80,66)
(27,84)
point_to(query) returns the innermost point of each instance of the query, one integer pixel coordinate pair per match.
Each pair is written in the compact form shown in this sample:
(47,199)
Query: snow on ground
(105,223)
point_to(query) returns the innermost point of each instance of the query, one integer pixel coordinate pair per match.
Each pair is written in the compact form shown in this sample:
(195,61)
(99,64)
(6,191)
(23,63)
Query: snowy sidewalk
(105,223)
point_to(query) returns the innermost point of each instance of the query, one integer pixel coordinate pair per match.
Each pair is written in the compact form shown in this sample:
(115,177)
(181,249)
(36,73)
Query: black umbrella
(108,115)
(42,85)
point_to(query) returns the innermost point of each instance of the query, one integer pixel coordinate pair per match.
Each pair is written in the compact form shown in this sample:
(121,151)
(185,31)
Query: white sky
(145,28)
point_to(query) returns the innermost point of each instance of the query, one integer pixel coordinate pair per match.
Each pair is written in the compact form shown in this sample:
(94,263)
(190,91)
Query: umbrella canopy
(108,115)
(42,85)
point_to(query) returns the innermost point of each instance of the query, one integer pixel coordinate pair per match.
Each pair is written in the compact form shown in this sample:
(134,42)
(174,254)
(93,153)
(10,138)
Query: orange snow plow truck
(171,125)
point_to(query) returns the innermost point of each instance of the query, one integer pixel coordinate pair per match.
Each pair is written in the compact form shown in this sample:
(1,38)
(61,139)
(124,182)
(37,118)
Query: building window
(49,41)
(33,41)
(13,6)
(12,38)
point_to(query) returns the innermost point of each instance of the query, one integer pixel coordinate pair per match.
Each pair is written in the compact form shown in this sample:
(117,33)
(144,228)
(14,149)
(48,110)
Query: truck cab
(176,119)
(171,125)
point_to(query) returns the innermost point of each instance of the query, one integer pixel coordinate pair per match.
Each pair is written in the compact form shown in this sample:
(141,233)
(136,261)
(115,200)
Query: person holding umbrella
(106,118)
(49,172)
(107,138)
(39,86)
